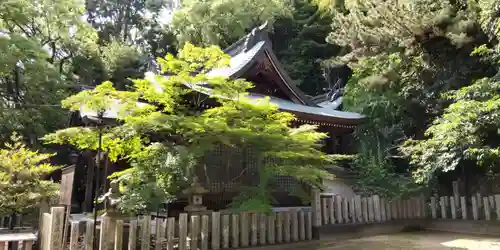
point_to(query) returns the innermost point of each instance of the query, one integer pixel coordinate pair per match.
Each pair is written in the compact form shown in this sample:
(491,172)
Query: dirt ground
(415,241)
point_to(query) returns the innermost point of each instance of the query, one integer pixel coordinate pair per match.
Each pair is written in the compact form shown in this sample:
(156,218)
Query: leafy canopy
(167,137)
(21,178)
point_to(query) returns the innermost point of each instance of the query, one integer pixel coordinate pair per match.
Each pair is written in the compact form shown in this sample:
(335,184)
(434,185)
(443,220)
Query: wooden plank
(394,209)
(295,225)
(194,231)
(279,227)
(371,210)
(376,208)
(254,228)
(357,205)
(324,211)
(453,208)
(104,233)
(382,210)
(463,207)
(331,209)
(235,231)
(119,235)
(442,203)
(345,210)
(491,199)
(170,233)
(45,231)
(388,211)
(316,206)
(145,232)
(271,228)
(486,207)
(158,237)
(338,208)
(244,229)
(475,212)
(352,210)
(132,235)
(287,227)
(225,231)
(74,235)
(433,208)
(497,205)
(204,232)
(262,229)
(56,228)
(183,228)
(28,244)
(308,225)
(364,206)
(302,225)
(89,235)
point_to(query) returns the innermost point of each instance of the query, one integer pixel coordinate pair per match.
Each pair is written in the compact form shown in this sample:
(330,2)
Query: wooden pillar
(316,208)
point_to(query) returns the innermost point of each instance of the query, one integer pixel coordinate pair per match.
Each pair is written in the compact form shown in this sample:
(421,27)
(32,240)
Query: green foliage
(223,22)
(183,136)
(468,130)
(405,54)
(22,183)
(38,40)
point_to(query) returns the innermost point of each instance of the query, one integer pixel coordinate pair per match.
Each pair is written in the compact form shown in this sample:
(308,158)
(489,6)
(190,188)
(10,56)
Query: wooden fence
(211,231)
(365,210)
(475,207)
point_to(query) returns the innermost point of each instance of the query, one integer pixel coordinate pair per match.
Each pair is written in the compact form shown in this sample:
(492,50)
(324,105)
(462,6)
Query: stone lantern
(195,197)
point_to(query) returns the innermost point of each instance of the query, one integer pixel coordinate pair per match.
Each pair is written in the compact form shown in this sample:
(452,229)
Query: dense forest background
(425,72)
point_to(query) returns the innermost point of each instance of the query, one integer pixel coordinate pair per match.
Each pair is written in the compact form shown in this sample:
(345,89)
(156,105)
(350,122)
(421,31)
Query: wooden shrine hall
(253,59)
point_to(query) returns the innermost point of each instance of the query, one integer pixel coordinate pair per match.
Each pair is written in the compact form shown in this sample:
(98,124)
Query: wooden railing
(212,231)
(466,208)
(364,210)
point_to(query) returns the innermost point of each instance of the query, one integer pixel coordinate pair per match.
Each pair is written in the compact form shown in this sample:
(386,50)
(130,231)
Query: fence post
(316,207)
(453,208)
(194,231)
(183,224)
(376,208)
(475,212)
(443,207)
(357,205)
(271,228)
(302,225)
(235,232)
(383,212)
(204,232)
(324,210)
(279,228)
(364,206)
(433,208)
(146,232)
(338,205)
(497,205)
(73,237)
(487,210)
(244,229)
(463,207)
(56,228)
(331,209)
(119,235)
(286,225)
(262,228)
(345,210)
(371,210)
(132,235)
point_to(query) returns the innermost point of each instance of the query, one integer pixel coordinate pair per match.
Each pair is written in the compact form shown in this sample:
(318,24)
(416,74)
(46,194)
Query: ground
(415,241)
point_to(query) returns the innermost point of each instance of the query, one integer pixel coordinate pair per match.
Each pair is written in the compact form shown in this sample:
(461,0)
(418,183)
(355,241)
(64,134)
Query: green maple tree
(165,139)
(22,183)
